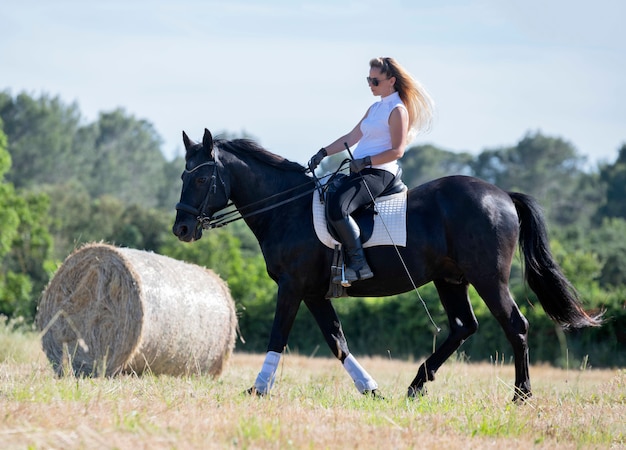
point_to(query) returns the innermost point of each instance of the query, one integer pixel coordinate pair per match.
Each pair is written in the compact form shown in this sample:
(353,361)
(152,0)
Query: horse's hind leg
(455,300)
(501,304)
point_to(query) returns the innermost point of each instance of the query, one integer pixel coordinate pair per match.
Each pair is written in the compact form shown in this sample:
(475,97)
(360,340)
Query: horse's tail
(558,297)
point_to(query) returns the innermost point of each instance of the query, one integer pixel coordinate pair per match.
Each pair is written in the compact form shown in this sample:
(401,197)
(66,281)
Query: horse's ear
(207,140)
(188,142)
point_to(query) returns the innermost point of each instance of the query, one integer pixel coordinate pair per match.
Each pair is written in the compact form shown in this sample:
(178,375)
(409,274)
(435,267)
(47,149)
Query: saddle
(389,206)
(364,216)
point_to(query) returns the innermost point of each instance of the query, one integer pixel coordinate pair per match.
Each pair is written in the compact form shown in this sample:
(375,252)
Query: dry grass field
(314,405)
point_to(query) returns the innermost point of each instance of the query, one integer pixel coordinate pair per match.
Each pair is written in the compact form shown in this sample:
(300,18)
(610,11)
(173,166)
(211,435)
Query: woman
(382,136)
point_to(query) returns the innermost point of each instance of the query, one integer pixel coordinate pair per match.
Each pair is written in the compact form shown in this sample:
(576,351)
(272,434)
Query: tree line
(64,182)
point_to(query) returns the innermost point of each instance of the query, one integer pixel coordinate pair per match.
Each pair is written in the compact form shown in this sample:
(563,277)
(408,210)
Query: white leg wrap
(265,378)
(362,380)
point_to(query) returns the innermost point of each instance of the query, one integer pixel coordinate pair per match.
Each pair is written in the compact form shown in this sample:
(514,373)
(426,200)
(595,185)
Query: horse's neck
(250,187)
(254,190)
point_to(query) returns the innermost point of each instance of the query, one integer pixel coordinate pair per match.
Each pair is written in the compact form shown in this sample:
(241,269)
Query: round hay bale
(111,310)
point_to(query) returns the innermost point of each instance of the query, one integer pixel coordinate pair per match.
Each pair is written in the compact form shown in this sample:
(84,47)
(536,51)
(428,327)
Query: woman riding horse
(461,231)
(382,136)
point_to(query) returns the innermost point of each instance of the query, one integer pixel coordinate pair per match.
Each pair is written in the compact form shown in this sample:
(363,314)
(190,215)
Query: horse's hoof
(520,397)
(253,392)
(415,392)
(373,394)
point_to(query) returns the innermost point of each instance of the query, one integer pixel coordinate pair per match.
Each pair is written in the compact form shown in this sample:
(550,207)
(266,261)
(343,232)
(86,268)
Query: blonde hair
(417,100)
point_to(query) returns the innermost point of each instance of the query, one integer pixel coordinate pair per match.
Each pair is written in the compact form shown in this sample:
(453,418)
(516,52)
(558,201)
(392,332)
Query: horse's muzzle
(187,231)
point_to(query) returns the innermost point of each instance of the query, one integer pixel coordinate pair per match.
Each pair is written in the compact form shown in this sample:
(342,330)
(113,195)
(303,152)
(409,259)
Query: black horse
(461,231)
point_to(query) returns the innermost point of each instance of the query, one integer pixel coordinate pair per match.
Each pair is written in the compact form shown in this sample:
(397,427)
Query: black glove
(356,165)
(317,159)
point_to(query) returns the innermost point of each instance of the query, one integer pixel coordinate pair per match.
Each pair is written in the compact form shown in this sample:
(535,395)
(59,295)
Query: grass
(313,405)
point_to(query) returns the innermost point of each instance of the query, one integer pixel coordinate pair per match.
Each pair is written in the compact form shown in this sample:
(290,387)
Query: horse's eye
(202,180)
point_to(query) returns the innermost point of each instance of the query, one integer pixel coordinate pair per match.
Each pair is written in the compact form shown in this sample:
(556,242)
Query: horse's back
(458,194)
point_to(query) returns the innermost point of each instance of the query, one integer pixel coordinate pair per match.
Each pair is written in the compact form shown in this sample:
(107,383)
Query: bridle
(200,212)
(207,222)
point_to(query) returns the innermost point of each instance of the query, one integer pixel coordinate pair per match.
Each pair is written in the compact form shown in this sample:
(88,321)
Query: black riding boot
(356,265)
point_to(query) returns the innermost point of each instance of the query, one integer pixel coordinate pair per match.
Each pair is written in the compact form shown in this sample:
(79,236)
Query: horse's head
(204,190)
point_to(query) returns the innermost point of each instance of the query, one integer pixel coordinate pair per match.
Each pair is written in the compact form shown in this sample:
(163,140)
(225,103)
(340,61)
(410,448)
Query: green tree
(427,162)
(145,229)
(14,287)
(169,194)
(608,242)
(70,218)
(9,220)
(547,168)
(128,161)
(40,133)
(614,178)
(531,166)
(76,219)
(25,245)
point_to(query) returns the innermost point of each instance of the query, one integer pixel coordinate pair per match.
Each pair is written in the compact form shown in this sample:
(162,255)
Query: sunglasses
(375,81)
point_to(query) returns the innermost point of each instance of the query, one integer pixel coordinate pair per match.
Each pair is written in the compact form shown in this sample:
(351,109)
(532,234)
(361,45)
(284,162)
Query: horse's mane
(251,148)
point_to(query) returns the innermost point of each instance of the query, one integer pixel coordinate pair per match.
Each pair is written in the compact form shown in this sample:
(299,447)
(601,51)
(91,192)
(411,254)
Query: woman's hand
(317,159)
(356,165)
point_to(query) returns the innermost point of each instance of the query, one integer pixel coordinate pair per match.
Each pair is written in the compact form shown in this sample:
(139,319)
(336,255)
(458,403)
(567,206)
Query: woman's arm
(351,138)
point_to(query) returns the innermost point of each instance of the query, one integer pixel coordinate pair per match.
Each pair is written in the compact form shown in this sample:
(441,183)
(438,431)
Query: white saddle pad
(389,223)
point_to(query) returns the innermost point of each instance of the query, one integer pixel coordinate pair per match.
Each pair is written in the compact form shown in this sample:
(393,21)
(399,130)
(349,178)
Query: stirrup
(349,275)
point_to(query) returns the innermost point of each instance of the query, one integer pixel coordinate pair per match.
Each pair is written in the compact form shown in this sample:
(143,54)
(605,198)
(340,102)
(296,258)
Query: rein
(210,222)
(225,218)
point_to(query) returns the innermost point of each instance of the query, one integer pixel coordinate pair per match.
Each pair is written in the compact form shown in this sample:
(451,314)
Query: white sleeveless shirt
(375,128)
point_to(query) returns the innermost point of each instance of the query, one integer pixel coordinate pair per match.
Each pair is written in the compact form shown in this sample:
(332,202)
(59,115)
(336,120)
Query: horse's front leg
(326,318)
(287,305)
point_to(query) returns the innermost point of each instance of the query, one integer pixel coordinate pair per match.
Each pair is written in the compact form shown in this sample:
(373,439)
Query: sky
(291,73)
